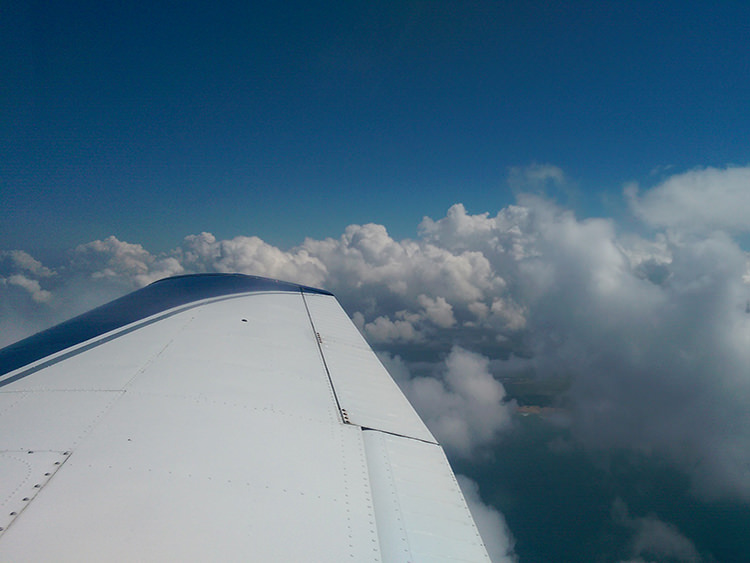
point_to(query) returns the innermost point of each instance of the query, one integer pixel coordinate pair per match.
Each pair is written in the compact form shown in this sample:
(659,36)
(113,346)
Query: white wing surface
(218,417)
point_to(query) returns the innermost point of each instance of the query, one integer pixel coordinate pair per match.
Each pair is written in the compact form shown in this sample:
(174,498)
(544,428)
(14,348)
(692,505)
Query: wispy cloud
(492,527)
(698,200)
(654,538)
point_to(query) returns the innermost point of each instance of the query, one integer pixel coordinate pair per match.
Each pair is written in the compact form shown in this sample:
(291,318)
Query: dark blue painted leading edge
(155,298)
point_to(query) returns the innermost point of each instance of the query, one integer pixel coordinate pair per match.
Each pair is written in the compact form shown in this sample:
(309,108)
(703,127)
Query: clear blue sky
(151,121)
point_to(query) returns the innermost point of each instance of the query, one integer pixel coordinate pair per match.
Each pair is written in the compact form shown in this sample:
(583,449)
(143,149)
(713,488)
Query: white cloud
(24,262)
(654,332)
(384,329)
(464,409)
(438,310)
(492,527)
(510,314)
(130,264)
(249,255)
(701,199)
(479,309)
(501,238)
(32,286)
(20,269)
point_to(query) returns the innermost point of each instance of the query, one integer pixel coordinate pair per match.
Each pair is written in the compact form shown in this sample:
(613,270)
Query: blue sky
(295,119)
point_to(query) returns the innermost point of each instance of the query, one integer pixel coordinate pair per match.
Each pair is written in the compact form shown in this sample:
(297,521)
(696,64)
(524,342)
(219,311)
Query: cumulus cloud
(32,286)
(383,329)
(653,332)
(20,269)
(23,262)
(492,527)
(437,310)
(653,359)
(365,261)
(114,260)
(465,407)
(706,198)
(25,295)
(249,255)
(511,315)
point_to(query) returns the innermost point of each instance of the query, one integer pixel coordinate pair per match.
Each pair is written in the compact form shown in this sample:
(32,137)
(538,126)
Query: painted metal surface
(206,431)
(420,511)
(169,293)
(24,473)
(365,390)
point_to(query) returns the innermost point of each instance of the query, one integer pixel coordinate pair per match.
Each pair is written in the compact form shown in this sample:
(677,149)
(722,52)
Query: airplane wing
(218,417)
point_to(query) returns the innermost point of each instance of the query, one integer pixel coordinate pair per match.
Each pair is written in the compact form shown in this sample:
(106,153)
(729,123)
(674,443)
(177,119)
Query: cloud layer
(653,330)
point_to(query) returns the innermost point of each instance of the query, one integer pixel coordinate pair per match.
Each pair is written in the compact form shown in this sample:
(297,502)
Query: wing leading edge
(218,417)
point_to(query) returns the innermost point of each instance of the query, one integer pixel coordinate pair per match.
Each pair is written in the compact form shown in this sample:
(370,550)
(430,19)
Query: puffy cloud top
(465,408)
(249,255)
(654,333)
(704,199)
(20,269)
(113,259)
